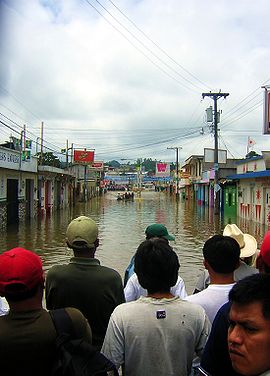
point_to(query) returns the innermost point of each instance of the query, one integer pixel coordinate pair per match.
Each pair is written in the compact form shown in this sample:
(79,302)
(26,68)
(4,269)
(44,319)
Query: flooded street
(121,228)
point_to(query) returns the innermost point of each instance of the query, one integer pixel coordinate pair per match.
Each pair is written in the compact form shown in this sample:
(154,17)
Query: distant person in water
(83,283)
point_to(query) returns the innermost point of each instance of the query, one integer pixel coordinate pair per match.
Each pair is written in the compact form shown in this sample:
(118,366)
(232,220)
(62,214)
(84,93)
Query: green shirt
(84,284)
(27,341)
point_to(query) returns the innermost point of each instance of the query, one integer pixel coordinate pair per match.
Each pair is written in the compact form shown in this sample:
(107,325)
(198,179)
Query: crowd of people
(150,325)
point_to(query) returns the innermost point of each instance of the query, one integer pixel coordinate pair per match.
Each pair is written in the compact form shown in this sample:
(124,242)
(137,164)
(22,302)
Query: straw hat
(247,243)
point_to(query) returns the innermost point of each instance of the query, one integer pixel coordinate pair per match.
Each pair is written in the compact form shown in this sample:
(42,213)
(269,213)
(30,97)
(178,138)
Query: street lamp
(177,149)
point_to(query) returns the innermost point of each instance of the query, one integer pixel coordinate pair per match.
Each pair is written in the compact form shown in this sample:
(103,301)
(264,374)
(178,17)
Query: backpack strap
(62,322)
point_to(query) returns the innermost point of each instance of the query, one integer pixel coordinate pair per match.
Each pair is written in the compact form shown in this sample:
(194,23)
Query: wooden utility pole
(215,97)
(177,148)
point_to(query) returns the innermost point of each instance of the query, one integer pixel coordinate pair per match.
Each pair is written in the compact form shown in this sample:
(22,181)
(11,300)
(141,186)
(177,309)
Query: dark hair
(14,292)
(222,253)
(156,265)
(252,289)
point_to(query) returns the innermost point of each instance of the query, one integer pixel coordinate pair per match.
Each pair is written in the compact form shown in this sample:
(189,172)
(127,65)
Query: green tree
(113,163)
(48,159)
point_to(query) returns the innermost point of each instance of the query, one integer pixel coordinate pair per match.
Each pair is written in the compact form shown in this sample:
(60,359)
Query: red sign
(97,165)
(83,156)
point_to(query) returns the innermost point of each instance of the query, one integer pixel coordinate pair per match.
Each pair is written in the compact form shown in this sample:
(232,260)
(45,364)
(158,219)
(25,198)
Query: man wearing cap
(156,230)
(133,290)
(248,249)
(27,332)
(83,283)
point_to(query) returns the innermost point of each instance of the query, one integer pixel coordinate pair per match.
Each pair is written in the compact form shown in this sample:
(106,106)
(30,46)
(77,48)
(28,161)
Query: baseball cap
(19,267)
(265,249)
(158,230)
(82,229)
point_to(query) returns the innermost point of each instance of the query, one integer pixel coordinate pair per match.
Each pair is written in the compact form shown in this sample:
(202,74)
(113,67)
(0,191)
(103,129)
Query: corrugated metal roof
(250,175)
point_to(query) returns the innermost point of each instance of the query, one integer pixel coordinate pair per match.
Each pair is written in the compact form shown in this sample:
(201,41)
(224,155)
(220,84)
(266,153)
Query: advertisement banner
(83,156)
(162,169)
(266,118)
(97,166)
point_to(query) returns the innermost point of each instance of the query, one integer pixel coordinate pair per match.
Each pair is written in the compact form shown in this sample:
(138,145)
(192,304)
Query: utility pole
(41,142)
(177,149)
(215,97)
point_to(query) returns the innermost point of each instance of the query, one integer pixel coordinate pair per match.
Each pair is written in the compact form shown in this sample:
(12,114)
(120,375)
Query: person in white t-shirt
(157,334)
(221,258)
(134,290)
(4,307)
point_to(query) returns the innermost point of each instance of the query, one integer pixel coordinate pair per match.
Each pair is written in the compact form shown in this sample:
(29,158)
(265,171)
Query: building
(18,187)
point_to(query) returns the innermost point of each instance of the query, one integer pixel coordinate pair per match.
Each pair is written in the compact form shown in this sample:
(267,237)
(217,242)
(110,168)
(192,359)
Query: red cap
(21,267)
(265,249)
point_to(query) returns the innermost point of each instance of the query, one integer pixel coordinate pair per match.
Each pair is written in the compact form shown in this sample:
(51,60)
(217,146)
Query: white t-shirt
(156,336)
(134,290)
(241,272)
(211,299)
(4,307)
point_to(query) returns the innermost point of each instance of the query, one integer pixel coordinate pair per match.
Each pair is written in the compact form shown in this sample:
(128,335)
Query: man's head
(249,330)
(157,230)
(21,274)
(82,234)
(221,253)
(156,265)
(263,259)
(247,243)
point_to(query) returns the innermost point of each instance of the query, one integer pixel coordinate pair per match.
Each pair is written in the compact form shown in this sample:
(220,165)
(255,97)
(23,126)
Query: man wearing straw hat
(248,250)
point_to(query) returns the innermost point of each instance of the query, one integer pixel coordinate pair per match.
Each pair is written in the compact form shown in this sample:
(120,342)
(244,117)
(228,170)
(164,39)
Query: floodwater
(121,229)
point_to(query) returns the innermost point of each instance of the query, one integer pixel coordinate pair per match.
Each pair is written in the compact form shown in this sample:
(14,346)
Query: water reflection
(122,225)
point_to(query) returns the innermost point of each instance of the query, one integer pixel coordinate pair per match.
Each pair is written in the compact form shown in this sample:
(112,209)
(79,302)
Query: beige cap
(247,243)
(82,229)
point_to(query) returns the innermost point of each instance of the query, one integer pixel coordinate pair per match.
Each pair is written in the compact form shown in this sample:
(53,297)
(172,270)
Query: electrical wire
(160,49)
(138,49)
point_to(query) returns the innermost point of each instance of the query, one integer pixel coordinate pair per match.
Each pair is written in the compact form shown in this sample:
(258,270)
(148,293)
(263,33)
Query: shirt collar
(84,261)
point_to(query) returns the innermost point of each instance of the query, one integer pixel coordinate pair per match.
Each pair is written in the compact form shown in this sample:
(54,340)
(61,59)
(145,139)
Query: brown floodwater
(121,229)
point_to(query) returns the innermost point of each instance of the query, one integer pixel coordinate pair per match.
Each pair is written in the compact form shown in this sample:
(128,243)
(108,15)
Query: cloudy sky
(126,77)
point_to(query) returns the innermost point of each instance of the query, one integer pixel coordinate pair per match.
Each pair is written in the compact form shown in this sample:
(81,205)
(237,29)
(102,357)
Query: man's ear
(96,242)
(205,264)
(67,243)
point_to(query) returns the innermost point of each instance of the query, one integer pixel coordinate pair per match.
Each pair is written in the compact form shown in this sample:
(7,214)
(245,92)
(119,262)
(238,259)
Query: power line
(138,49)
(160,48)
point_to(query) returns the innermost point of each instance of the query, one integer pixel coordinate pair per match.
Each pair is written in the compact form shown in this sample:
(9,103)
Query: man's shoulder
(56,269)
(109,272)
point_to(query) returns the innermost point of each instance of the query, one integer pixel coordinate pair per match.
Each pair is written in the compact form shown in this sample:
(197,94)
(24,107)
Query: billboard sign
(209,155)
(83,156)
(162,169)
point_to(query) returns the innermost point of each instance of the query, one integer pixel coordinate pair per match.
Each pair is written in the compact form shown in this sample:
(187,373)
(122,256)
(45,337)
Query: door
(12,201)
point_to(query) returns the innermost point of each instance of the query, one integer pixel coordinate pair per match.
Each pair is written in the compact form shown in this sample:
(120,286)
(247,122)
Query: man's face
(249,339)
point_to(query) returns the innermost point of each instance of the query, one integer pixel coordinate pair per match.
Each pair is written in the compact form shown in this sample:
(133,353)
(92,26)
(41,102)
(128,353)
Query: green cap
(82,229)
(158,230)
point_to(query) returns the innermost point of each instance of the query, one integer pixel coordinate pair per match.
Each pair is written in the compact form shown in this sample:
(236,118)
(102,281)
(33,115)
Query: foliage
(252,154)
(49,159)
(113,163)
